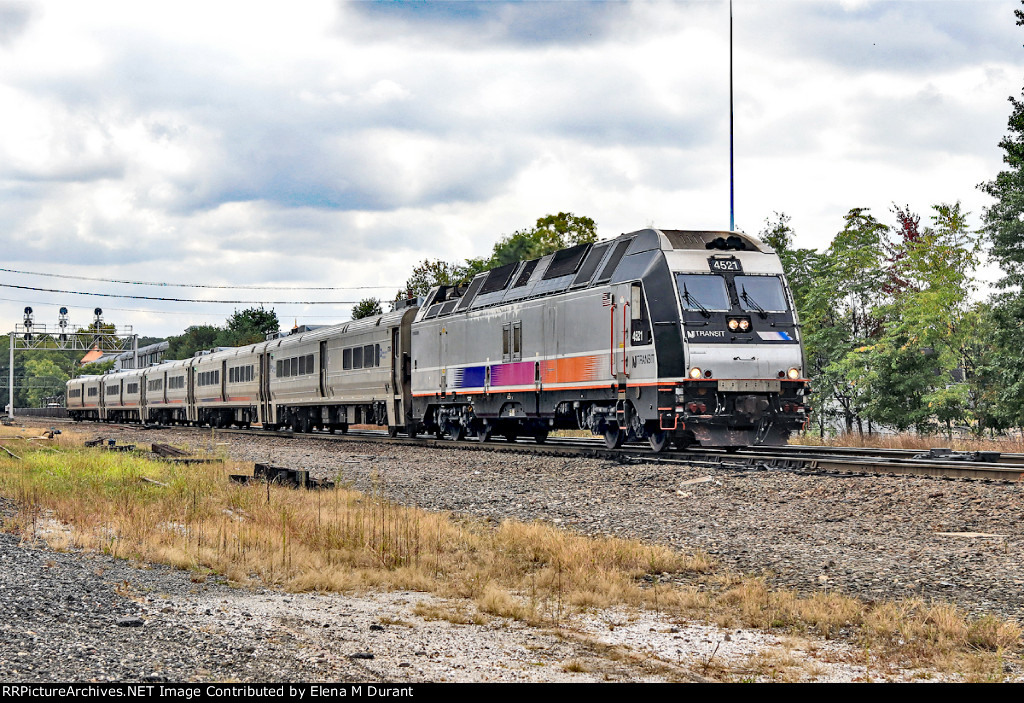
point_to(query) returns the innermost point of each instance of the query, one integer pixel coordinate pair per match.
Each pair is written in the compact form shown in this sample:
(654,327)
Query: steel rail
(837,461)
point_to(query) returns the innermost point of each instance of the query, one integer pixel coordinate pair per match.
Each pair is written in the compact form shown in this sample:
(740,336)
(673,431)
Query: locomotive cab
(740,380)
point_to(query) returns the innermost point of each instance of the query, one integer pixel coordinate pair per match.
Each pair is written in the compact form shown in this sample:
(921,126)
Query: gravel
(875,537)
(79,617)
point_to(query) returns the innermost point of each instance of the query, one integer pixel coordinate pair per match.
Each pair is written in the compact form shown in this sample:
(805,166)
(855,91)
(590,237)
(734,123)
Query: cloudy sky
(335,144)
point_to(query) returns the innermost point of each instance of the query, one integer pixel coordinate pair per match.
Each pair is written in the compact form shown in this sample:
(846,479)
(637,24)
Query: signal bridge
(107,339)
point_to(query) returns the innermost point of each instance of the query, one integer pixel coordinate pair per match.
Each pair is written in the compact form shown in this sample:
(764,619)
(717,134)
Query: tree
(841,318)
(430,273)
(549,234)
(195,338)
(43,378)
(801,265)
(1004,228)
(367,308)
(94,369)
(909,371)
(249,326)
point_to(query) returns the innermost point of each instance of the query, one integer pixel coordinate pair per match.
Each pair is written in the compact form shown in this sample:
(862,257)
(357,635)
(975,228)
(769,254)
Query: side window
(280,369)
(639,326)
(302,366)
(368,359)
(295,366)
(346,359)
(376,355)
(309,363)
(517,341)
(506,342)
(357,357)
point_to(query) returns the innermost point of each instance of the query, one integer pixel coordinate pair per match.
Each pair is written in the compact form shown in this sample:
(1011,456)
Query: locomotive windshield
(702,292)
(760,293)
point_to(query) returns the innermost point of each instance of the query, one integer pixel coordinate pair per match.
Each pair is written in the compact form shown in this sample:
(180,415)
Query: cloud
(14,20)
(483,25)
(894,37)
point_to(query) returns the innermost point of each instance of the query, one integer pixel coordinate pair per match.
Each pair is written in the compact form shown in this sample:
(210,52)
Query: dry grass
(193,517)
(1011,445)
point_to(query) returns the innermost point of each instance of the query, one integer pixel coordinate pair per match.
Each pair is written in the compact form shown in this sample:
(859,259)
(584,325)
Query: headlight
(695,372)
(738,324)
(794,373)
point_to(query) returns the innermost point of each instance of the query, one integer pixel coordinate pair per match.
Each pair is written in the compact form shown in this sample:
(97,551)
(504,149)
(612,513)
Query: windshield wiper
(746,298)
(693,301)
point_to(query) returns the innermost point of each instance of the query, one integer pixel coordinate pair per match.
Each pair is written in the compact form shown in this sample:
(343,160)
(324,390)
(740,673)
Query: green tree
(195,338)
(367,307)
(44,377)
(95,368)
(841,318)
(1004,228)
(249,326)
(549,234)
(802,266)
(429,273)
(909,372)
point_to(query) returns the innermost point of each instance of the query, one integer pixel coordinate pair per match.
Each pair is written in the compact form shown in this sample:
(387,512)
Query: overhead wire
(184,300)
(139,310)
(190,285)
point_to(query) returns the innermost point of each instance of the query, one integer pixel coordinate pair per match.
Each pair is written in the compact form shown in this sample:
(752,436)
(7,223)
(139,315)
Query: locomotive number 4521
(731,265)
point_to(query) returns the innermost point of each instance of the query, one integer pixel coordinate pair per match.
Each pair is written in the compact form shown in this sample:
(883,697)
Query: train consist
(665,336)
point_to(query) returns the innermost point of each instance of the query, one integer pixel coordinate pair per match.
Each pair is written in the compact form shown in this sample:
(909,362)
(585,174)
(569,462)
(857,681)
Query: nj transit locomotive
(668,336)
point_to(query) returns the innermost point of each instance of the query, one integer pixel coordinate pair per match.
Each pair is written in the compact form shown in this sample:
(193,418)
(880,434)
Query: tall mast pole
(732,198)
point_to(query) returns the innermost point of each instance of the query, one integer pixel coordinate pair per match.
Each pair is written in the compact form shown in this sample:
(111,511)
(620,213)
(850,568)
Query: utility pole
(732,199)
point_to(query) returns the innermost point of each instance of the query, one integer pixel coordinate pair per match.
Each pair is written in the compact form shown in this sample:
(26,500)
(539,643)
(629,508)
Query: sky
(334,145)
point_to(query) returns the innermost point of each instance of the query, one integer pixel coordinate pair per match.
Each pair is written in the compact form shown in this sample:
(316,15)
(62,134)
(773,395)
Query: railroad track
(838,461)
(801,459)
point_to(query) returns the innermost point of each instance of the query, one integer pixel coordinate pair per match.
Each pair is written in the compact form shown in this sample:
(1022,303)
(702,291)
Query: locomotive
(673,337)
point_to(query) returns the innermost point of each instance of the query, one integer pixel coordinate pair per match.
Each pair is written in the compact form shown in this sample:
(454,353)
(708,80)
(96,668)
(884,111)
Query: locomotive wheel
(411,430)
(682,443)
(306,423)
(392,431)
(541,437)
(484,433)
(614,438)
(659,441)
(455,431)
(510,435)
